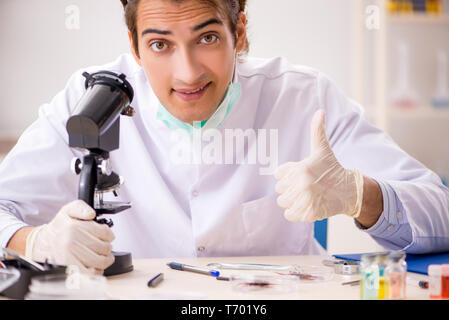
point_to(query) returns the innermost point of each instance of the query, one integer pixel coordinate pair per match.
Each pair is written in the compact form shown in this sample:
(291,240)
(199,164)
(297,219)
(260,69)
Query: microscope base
(122,264)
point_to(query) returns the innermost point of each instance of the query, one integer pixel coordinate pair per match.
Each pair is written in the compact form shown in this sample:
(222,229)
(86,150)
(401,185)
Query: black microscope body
(95,127)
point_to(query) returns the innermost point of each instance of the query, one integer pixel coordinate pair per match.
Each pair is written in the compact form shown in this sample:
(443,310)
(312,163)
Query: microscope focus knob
(129,112)
(76,166)
(105,167)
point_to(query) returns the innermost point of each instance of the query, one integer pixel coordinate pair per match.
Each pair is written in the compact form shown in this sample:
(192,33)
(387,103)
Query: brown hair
(231,8)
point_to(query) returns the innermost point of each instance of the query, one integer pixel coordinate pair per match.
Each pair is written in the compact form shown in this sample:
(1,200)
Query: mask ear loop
(235,68)
(235,61)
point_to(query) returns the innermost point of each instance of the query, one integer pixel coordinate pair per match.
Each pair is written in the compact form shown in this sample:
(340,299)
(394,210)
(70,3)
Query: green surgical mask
(233,94)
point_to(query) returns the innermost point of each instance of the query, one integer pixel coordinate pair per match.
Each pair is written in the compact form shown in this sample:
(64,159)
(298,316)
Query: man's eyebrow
(194,29)
(162,32)
(206,23)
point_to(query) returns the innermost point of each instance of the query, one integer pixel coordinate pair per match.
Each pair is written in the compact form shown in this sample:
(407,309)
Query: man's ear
(133,51)
(241,32)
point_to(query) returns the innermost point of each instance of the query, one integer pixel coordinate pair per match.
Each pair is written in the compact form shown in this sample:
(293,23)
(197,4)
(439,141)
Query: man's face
(187,51)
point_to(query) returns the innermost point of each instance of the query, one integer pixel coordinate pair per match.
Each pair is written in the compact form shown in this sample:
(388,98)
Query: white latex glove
(318,187)
(73,238)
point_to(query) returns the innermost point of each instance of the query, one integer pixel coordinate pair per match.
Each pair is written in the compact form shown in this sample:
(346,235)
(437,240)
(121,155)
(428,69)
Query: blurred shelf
(424,112)
(419,18)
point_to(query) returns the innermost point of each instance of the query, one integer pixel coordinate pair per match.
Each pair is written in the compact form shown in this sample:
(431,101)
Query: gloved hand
(318,187)
(73,238)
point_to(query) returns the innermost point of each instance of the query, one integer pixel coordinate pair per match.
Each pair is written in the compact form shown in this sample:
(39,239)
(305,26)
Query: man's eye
(158,46)
(209,39)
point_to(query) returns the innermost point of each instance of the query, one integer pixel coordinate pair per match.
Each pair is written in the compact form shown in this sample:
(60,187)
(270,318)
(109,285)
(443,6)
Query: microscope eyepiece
(111,79)
(95,123)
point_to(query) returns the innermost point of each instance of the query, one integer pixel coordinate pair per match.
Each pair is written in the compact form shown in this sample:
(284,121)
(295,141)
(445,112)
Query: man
(190,75)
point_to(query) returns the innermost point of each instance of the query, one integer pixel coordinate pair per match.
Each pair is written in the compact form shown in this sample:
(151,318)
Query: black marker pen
(156,280)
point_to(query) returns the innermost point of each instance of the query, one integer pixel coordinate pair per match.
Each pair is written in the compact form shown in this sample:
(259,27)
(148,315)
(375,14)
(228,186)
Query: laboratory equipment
(253,266)
(23,260)
(95,127)
(423,284)
(396,274)
(434,272)
(18,270)
(369,277)
(311,274)
(264,283)
(403,95)
(415,6)
(303,272)
(384,282)
(445,281)
(345,267)
(441,96)
(8,276)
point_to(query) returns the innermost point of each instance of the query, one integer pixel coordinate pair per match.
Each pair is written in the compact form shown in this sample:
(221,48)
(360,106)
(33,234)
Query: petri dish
(264,283)
(311,274)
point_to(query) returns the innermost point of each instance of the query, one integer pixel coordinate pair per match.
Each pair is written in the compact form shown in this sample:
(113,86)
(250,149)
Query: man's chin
(191,117)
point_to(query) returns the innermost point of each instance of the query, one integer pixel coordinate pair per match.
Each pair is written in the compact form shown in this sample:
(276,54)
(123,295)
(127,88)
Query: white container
(434,272)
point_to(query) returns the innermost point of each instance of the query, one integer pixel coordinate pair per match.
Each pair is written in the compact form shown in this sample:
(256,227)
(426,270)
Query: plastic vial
(384,283)
(396,272)
(434,272)
(369,281)
(445,281)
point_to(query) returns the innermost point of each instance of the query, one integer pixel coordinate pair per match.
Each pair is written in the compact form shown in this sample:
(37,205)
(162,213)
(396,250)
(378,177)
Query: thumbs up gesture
(318,187)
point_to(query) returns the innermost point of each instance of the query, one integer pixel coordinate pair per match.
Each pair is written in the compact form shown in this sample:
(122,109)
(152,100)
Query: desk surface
(186,285)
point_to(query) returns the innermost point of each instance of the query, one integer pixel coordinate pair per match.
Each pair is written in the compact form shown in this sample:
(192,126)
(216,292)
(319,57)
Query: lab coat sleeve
(417,218)
(35,177)
(392,230)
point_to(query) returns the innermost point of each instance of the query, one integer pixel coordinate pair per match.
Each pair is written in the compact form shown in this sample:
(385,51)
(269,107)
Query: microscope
(95,128)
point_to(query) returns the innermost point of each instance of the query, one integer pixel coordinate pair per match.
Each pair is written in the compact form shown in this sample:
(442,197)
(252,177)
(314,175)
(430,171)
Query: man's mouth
(191,94)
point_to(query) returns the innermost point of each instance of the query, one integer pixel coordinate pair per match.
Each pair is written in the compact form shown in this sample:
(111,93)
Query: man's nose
(187,68)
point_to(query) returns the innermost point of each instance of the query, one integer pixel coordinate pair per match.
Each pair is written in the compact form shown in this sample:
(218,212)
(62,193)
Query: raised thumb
(318,132)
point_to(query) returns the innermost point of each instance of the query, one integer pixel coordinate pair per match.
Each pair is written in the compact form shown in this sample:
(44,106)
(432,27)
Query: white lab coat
(212,210)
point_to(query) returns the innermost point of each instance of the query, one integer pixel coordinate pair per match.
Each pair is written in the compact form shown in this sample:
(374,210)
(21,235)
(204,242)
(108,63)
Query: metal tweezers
(351,283)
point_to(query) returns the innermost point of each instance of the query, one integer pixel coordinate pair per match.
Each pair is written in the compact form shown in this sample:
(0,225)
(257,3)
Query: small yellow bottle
(384,288)
(393,6)
(384,283)
(406,6)
(434,6)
